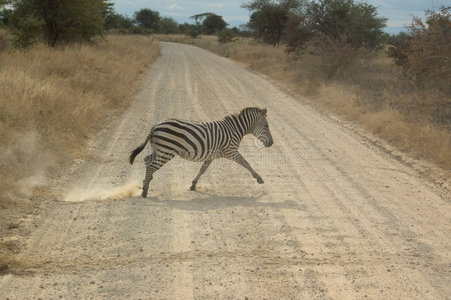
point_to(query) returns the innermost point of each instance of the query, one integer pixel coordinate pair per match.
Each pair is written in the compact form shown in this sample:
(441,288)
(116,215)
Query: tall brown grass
(368,89)
(52,100)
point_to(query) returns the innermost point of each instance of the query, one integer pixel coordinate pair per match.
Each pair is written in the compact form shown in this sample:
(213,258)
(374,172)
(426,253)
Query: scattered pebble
(3,267)
(13,225)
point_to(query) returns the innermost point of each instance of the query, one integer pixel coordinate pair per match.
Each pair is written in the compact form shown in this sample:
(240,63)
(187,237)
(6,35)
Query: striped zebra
(203,142)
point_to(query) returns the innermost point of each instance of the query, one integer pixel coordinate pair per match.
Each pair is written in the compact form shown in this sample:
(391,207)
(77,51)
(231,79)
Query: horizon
(399,14)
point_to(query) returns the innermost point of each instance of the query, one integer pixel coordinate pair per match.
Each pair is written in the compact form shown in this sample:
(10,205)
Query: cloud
(131,3)
(174,6)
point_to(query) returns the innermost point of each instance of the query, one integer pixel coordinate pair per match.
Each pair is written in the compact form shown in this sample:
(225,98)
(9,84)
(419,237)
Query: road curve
(337,218)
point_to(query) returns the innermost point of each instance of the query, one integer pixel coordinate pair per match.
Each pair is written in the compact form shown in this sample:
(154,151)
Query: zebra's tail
(140,147)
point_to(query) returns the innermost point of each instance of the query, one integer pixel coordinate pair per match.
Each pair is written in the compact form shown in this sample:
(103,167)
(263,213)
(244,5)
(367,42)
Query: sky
(399,13)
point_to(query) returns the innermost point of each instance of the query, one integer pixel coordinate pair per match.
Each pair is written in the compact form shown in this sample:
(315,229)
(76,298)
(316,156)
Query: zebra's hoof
(144,195)
(192,188)
(260,180)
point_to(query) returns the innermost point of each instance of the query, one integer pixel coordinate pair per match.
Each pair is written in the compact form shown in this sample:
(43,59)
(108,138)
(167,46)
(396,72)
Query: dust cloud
(27,162)
(127,190)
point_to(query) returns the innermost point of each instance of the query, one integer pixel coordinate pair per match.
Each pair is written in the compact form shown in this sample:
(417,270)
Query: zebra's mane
(243,111)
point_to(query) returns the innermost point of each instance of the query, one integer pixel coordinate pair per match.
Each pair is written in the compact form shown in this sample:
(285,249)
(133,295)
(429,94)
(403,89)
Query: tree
(5,15)
(213,23)
(147,18)
(24,24)
(59,21)
(336,18)
(198,19)
(3,3)
(3,11)
(190,30)
(227,35)
(425,55)
(167,26)
(296,33)
(268,18)
(120,23)
(343,21)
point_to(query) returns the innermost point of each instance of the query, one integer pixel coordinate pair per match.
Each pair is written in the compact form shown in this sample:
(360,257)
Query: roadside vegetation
(56,92)
(59,81)
(52,100)
(335,53)
(57,88)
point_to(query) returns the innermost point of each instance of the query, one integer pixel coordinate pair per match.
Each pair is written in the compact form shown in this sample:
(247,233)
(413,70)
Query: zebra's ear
(264,111)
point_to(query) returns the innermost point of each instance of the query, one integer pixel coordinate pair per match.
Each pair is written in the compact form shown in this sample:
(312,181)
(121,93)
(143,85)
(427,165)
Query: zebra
(203,142)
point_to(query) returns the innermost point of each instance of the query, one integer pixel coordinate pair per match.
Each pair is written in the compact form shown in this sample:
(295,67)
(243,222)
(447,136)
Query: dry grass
(53,99)
(368,90)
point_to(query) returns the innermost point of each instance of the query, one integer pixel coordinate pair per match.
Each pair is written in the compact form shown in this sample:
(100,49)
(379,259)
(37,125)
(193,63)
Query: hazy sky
(398,12)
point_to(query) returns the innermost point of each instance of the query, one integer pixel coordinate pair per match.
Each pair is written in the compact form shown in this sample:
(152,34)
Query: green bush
(226,36)
(69,21)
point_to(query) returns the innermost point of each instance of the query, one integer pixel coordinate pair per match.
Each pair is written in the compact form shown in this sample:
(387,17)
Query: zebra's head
(260,127)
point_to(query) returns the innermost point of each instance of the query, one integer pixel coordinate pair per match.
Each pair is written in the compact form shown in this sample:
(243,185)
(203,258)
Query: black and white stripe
(203,141)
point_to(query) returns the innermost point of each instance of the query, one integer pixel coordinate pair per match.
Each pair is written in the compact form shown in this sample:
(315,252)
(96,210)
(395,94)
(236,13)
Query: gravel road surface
(337,217)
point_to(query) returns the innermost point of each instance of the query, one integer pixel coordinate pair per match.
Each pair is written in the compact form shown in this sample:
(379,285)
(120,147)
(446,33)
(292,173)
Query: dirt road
(337,217)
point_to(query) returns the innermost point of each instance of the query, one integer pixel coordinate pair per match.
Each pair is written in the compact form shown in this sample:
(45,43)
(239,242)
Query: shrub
(226,36)
(213,24)
(26,31)
(69,21)
(328,57)
(425,55)
(4,42)
(335,19)
(398,49)
(430,50)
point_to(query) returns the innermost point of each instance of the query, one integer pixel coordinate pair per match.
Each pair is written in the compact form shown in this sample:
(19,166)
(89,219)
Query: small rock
(3,267)
(13,225)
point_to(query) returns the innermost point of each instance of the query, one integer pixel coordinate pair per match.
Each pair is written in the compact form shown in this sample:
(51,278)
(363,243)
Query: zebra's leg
(154,162)
(236,157)
(204,167)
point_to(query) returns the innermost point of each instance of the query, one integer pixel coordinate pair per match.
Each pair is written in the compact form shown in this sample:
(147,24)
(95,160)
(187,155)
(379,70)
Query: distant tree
(4,12)
(190,30)
(268,18)
(335,18)
(198,19)
(344,21)
(394,39)
(113,21)
(425,55)
(227,36)
(5,16)
(167,26)
(213,23)
(3,3)
(58,21)
(147,18)
(297,33)
(120,23)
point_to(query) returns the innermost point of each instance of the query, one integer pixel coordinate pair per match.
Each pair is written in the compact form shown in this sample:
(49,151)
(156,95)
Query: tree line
(67,21)
(334,30)
(296,22)
(338,31)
